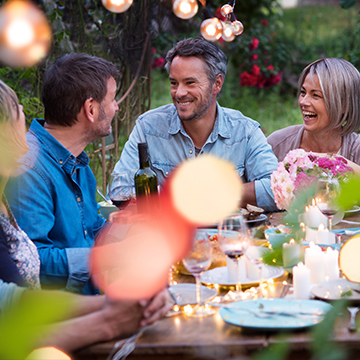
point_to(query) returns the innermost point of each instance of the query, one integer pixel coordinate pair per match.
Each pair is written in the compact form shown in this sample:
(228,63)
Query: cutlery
(102,195)
(261,313)
(350,222)
(353,311)
(351,232)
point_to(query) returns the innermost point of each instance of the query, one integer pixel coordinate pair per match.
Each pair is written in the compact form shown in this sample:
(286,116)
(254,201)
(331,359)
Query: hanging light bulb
(185,9)
(226,10)
(211,29)
(238,27)
(25,34)
(117,6)
(228,33)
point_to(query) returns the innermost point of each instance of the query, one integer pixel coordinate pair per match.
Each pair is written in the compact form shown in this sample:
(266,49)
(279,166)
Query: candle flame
(292,241)
(313,202)
(321,227)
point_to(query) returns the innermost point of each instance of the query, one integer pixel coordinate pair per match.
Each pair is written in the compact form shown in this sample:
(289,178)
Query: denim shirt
(53,201)
(234,137)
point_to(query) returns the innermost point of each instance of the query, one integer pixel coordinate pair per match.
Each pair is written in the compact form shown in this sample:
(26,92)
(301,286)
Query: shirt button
(78,199)
(60,161)
(190,151)
(166,173)
(85,232)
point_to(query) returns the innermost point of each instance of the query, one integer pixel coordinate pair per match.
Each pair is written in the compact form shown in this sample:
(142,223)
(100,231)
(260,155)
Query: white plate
(219,276)
(353,210)
(332,290)
(185,294)
(246,319)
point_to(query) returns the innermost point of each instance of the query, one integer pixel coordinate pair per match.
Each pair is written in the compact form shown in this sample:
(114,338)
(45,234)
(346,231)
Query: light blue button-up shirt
(234,137)
(53,200)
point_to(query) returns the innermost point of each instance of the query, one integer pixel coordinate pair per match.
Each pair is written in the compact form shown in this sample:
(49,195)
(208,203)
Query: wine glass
(233,239)
(196,262)
(120,190)
(327,192)
(255,254)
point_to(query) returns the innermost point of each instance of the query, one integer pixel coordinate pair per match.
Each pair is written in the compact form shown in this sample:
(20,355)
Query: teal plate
(246,319)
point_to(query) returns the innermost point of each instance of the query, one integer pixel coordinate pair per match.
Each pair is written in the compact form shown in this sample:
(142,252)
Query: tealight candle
(301,280)
(314,261)
(291,253)
(331,264)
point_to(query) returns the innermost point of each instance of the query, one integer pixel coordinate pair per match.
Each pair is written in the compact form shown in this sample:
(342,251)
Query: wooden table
(182,337)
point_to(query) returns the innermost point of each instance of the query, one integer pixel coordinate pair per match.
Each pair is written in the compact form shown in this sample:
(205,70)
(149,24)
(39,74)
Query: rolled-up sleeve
(259,164)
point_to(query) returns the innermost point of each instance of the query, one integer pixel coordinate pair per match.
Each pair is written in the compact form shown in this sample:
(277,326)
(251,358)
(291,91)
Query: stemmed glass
(234,239)
(120,190)
(255,254)
(327,192)
(196,262)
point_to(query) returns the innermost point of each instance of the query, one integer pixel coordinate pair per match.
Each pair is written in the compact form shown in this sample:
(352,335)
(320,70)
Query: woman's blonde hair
(13,144)
(340,84)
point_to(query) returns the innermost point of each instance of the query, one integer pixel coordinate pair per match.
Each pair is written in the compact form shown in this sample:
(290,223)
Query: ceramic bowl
(106,209)
(278,235)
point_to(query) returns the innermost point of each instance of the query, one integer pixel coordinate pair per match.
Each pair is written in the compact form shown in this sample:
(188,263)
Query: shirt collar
(56,150)
(221,127)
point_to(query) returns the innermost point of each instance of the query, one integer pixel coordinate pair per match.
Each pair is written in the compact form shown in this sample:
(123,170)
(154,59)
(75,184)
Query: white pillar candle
(231,269)
(301,281)
(314,217)
(322,235)
(291,253)
(314,261)
(331,264)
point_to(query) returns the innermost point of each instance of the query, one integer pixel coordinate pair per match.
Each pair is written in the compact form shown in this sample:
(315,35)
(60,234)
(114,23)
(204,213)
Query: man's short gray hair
(213,57)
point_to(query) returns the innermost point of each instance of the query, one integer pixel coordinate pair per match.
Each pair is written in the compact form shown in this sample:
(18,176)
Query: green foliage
(23,326)
(348,197)
(347,4)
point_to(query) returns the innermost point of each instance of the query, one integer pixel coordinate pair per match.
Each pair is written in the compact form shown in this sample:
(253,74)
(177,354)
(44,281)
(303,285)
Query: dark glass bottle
(145,182)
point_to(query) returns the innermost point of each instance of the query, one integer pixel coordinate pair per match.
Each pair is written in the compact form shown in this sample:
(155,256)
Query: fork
(353,311)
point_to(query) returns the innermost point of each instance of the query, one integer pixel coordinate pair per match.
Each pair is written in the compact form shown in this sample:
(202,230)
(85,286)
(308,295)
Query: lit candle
(314,217)
(291,253)
(314,261)
(331,264)
(301,280)
(322,235)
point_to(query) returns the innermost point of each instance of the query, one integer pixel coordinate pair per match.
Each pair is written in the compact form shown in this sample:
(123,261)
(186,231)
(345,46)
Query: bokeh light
(25,34)
(117,6)
(185,9)
(211,29)
(47,353)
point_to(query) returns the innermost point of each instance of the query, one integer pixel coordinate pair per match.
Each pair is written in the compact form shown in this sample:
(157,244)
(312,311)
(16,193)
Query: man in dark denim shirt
(53,197)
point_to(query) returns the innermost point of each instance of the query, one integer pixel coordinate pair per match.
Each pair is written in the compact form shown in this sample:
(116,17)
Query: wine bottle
(145,182)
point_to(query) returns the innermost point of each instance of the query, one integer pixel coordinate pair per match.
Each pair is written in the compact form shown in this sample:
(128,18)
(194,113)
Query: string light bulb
(238,27)
(226,10)
(117,6)
(25,34)
(211,29)
(185,9)
(228,33)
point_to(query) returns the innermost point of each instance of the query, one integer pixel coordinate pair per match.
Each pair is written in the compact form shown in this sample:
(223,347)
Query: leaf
(22,326)
(347,4)
(349,196)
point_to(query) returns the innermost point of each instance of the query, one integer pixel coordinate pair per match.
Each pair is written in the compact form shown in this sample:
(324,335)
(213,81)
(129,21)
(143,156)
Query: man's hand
(156,308)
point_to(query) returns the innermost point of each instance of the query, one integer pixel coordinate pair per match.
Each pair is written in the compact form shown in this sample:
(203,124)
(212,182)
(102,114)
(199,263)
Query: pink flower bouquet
(299,169)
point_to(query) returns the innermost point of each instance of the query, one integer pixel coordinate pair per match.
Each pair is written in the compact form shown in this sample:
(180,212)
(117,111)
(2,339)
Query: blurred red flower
(264,22)
(158,63)
(254,44)
(254,57)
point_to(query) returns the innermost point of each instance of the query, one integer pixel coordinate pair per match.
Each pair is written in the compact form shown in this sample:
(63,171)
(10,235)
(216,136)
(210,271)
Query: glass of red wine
(120,190)
(233,238)
(326,196)
(198,260)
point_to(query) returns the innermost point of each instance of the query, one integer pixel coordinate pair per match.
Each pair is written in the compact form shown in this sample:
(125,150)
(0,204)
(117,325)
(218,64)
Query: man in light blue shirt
(53,198)
(195,124)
